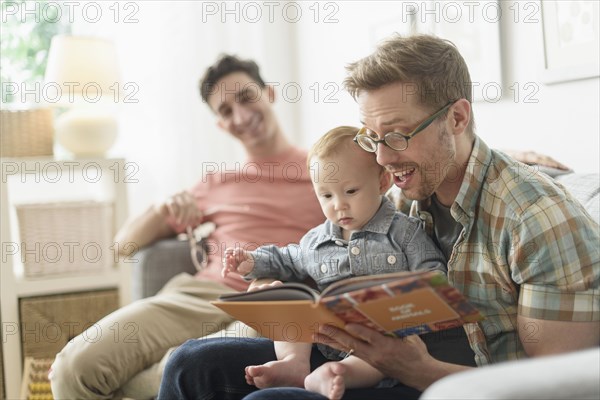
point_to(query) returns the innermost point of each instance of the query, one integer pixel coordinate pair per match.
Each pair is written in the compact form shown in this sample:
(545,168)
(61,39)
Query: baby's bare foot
(277,373)
(327,380)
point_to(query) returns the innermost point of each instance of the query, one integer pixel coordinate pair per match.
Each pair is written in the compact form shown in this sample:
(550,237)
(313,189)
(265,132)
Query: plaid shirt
(527,248)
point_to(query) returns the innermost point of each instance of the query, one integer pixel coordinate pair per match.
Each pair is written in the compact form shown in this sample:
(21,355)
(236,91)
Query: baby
(363,235)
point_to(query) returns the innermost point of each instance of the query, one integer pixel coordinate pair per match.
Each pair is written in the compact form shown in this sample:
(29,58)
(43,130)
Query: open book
(399,304)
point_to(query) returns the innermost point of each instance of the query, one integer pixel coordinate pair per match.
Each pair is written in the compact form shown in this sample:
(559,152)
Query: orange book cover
(399,304)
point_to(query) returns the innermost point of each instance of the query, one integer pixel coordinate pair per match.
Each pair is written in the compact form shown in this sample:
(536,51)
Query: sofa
(158,263)
(573,375)
(167,258)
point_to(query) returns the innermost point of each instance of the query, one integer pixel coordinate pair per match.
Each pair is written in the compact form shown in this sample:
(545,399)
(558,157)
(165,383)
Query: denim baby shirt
(389,242)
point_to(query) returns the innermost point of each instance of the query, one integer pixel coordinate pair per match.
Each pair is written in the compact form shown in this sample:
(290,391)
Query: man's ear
(221,124)
(460,115)
(385,181)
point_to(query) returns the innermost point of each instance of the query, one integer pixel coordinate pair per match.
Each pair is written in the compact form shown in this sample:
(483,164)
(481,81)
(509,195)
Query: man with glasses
(368,140)
(269,200)
(519,246)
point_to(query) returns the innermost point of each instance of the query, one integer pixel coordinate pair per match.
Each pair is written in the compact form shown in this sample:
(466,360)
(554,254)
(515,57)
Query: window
(27,29)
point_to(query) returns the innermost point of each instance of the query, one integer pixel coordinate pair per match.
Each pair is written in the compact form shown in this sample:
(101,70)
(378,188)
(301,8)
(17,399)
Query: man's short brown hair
(433,65)
(225,65)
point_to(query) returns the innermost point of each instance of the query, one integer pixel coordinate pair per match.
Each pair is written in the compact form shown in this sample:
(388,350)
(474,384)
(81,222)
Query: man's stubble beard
(432,173)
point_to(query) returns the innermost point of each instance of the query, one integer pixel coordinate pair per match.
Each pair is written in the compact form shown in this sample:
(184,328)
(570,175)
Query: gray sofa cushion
(155,265)
(586,189)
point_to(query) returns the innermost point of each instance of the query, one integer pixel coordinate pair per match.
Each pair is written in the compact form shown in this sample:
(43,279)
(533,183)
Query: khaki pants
(121,354)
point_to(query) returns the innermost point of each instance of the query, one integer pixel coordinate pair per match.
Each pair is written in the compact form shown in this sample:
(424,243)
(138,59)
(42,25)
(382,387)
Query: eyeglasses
(368,140)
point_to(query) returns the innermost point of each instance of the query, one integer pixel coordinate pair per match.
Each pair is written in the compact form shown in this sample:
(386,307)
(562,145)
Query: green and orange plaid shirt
(527,248)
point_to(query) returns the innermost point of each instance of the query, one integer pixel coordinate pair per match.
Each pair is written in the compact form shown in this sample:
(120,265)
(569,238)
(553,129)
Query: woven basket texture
(49,322)
(66,237)
(26,133)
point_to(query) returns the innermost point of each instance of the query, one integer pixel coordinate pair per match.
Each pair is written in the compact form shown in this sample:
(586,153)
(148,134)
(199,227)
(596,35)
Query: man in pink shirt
(269,200)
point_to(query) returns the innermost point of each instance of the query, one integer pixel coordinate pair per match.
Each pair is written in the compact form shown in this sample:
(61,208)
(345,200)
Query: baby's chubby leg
(290,369)
(331,379)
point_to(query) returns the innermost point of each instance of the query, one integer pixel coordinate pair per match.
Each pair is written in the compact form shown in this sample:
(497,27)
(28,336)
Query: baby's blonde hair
(332,142)
(336,141)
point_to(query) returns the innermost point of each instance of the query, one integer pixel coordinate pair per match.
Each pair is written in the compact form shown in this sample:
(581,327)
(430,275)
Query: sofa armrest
(586,189)
(564,376)
(158,263)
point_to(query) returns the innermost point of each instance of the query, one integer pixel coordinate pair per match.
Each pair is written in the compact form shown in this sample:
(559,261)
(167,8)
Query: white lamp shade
(82,66)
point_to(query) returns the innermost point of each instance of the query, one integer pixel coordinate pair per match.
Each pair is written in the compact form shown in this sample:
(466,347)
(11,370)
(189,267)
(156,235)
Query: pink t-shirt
(259,202)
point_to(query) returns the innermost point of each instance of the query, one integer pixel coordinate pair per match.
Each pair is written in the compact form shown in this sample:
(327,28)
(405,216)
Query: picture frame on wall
(571,40)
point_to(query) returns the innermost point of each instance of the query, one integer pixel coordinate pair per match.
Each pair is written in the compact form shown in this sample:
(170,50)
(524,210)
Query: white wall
(564,123)
(325,47)
(170,133)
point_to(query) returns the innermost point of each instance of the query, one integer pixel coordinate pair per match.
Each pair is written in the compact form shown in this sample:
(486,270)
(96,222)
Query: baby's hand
(237,260)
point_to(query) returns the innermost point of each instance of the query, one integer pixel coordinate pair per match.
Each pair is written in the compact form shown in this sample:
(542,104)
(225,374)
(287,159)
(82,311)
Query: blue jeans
(213,369)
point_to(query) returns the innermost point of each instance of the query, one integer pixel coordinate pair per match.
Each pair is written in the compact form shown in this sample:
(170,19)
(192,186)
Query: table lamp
(84,72)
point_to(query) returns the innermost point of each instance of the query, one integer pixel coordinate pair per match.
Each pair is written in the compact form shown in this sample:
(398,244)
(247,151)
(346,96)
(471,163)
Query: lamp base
(86,132)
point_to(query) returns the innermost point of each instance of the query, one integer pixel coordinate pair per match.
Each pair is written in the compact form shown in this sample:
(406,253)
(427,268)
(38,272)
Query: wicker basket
(48,323)
(66,237)
(26,133)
